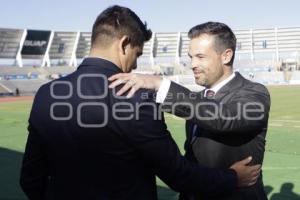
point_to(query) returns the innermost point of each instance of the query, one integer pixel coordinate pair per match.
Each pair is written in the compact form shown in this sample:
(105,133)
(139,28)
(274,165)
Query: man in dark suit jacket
(84,142)
(225,122)
(221,141)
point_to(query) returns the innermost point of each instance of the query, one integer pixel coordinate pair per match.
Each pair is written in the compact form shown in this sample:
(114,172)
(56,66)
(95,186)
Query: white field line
(281,168)
(281,125)
(287,120)
(277,125)
(270,121)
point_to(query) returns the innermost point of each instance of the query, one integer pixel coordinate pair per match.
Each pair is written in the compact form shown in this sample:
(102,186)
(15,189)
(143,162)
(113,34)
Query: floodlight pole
(19,60)
(276,44)
(46,58)
(152,49)
(177,56)
(252,45)
(73,60)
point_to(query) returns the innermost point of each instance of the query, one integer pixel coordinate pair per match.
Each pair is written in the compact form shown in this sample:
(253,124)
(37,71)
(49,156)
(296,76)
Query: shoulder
(141,95)
(253,87)
(144,95)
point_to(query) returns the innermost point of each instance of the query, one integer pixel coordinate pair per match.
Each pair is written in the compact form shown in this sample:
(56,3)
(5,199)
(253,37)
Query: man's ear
(124,44)
(227,56)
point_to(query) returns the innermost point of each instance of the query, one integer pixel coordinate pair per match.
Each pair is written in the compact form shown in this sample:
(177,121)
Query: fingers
(118,76)
(253,180)
(122,78)
(131,92)
(119,79)
(256,167)
(254,170)
(246,160)
(133,82)
(116,83)
(252,183)
(255,173)
(125,88)
(247,174)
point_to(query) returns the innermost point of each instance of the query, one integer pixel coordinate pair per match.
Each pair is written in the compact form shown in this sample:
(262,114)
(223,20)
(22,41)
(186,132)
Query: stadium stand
(84,45)
(166,48)
(11,41)
(26,87)
(4,91)
(63,48)
(146,59)
(268,56)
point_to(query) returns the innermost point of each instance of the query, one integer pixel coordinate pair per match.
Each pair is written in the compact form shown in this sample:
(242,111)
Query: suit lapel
(188,129)
(189,126)
(232,85)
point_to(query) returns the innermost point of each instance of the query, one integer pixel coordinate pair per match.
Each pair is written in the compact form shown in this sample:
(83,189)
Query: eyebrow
(198,54)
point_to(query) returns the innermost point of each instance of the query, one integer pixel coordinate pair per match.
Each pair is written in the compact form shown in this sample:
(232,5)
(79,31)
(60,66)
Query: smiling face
(207,64)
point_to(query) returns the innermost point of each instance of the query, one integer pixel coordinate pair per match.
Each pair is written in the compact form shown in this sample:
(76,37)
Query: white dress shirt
(165,86)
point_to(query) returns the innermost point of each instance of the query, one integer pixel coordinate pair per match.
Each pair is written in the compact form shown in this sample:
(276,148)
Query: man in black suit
(84,142)
(228,119)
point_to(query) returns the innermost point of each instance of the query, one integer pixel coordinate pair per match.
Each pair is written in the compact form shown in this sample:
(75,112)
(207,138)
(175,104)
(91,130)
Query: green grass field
(282,158)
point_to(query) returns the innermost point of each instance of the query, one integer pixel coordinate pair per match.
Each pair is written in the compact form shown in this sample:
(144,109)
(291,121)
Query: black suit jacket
(80,147)
(230,127)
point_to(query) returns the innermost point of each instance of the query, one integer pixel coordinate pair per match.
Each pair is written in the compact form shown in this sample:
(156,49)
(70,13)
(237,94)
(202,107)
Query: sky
(161,15)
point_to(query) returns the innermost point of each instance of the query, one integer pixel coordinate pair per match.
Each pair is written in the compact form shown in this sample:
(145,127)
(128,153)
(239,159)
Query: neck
(226,74)
(106,54)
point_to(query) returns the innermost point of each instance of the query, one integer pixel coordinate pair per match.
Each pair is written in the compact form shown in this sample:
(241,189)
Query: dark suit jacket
(230,127)
(79,147)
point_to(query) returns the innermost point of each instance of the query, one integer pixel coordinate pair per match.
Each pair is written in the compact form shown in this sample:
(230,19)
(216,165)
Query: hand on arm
(160,152)
(247,175)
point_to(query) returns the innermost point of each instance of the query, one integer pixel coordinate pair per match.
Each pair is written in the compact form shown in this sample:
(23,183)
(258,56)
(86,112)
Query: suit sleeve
(247,110)
(149,135)
(34,173)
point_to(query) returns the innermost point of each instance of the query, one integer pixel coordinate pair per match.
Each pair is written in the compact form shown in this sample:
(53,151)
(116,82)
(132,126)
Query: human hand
(133,82)
(247,175)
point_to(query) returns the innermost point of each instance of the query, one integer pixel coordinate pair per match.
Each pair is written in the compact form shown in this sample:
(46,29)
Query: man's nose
(193,64)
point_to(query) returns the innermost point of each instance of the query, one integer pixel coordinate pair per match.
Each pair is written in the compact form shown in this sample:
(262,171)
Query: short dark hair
(116,22)
(224,36)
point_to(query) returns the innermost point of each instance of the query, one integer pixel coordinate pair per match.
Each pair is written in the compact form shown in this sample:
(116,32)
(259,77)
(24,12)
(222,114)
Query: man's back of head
(119,35)
(117,21)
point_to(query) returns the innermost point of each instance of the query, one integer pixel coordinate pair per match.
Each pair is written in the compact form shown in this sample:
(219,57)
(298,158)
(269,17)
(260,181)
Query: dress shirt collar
(98,62)
(217,87)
